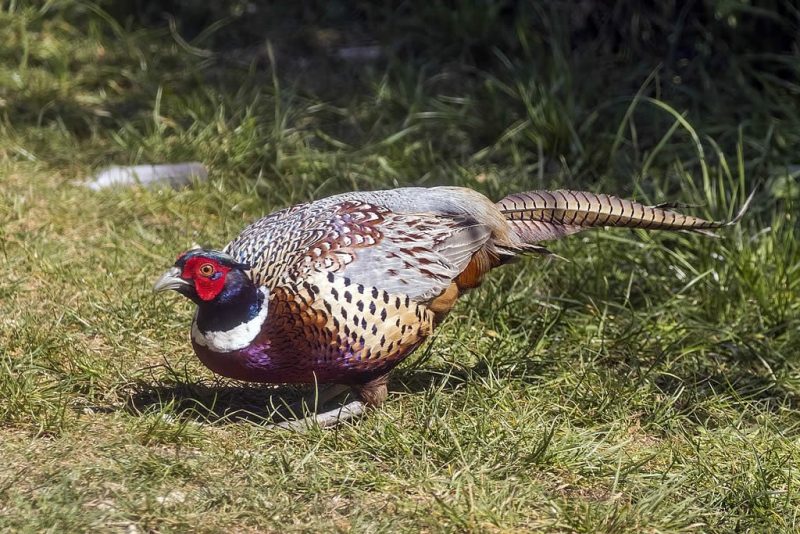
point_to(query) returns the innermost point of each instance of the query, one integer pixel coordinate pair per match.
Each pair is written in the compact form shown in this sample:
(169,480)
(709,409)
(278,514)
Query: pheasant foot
(327,419)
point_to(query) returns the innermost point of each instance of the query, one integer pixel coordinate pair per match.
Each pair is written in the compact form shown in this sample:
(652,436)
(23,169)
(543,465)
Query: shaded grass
(649,384)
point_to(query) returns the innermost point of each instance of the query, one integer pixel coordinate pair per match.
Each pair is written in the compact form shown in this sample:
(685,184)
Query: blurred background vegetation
(414,91)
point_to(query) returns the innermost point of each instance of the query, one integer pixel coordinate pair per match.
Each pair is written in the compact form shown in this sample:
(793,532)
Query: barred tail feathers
(545,215)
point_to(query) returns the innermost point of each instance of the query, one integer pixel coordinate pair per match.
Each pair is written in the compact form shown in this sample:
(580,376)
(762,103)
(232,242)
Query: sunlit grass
(648,384)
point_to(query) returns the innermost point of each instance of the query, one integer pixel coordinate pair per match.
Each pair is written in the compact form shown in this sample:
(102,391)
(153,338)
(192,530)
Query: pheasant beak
(171,280)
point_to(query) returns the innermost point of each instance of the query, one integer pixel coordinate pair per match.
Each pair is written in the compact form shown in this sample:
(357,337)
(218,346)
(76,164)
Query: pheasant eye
(206,269)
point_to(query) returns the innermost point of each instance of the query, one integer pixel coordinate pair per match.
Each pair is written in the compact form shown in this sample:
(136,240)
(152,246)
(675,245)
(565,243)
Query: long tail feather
(544,215)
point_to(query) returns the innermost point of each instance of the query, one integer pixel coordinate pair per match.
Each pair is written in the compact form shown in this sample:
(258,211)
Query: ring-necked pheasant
(341,290)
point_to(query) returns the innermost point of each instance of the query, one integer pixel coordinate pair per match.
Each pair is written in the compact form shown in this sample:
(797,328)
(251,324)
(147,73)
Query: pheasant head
(204,276)
(225,295)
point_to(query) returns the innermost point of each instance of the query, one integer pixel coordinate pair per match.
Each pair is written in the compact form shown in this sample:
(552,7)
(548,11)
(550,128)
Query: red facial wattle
(208,283)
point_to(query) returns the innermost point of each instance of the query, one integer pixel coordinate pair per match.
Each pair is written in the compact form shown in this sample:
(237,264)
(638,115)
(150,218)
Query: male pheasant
(341,290)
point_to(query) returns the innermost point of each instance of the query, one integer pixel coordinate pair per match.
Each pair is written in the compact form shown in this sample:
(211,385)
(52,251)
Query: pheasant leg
(374,392)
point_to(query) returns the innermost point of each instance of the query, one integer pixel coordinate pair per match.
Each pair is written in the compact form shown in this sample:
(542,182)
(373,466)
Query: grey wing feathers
(422,239)
(421,263)
(428,240)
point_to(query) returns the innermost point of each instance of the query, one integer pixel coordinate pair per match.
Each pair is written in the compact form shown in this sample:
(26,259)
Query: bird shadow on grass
(227,402)
(213,402)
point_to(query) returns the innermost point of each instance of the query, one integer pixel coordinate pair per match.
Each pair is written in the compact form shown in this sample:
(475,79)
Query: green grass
(649,384)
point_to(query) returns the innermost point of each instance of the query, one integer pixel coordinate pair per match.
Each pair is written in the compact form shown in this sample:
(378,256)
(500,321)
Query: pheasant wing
(409,241)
